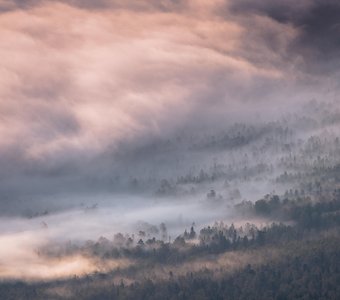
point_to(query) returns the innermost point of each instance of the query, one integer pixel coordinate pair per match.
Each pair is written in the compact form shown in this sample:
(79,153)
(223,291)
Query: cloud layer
(81,78)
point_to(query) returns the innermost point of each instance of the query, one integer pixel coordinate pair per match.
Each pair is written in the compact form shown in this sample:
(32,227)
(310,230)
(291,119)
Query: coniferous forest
(169,149)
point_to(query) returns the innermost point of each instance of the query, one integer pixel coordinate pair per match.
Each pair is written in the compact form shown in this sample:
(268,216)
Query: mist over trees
(252,213)
(184,149)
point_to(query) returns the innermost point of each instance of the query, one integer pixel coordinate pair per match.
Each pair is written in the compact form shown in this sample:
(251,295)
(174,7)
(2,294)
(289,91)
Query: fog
(177,182)
(25,238)
(117,117)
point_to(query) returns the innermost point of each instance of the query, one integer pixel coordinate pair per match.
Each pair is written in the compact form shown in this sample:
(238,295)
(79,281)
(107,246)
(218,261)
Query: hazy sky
(79,79)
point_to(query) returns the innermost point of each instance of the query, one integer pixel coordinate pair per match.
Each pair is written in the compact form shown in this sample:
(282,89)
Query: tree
(192,233)
(164,232)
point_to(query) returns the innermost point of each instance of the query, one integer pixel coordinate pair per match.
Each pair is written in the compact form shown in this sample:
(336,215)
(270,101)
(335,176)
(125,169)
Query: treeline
(295,206)
(299,218)
(310,269)
(312,273)
(307,268)
(302,218)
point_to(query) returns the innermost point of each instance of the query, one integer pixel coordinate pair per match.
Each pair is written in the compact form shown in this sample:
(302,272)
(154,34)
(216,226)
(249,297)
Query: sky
(83,83)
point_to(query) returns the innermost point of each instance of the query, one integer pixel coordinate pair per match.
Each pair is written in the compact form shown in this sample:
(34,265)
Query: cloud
(79,79)
(316,23)
(100,5)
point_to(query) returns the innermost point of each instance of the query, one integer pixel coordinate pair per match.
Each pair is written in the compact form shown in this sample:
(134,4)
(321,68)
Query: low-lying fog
(23,237)
(212,175)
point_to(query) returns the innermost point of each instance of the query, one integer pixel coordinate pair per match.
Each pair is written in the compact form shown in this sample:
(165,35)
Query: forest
(294,256)
(169,149)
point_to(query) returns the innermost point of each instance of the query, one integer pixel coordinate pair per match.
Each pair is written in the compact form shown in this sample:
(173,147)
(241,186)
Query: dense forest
(283,244)
(294,257)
